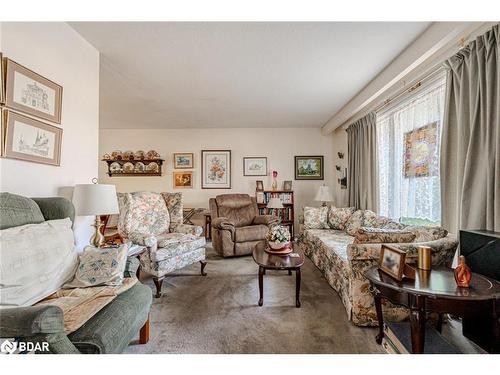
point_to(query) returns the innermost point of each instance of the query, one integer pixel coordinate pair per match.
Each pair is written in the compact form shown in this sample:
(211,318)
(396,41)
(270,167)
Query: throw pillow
(381,235)
(425,234)
(337,217)
(36,260)
(355,222)
(316,217)
(100,267)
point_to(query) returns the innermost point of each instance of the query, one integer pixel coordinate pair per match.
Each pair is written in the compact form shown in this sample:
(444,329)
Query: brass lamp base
(97,240)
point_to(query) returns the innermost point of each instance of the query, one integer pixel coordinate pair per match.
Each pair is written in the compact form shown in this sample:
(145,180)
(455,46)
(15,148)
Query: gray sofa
(109,331)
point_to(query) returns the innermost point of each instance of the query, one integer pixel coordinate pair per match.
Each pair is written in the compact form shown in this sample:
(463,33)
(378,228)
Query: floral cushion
(103,266)
(174,206)
(367,218)
(142,212)
(316,217)
(338,216)
(382,235)
(175,244)
(355,222)
(424,234)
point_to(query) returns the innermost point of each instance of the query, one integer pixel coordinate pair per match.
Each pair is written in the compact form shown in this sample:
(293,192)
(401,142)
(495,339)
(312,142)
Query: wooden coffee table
(275,262)
(436,291)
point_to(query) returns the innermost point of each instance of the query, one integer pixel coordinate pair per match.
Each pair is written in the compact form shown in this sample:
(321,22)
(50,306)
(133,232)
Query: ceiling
(212,75)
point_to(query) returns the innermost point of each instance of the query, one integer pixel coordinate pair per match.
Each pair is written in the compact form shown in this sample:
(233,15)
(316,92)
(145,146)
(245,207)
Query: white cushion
(100,267)
(36,260)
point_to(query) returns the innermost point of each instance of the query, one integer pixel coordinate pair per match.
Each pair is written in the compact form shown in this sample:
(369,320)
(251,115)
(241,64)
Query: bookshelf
(286,214)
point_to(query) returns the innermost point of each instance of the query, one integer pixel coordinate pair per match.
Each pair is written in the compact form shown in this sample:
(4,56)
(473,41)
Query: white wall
(57,52)
(339,144)
(278,145)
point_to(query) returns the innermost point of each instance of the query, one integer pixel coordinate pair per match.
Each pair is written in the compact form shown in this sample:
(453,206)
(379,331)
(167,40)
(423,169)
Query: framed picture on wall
(29,92)
(183,180)
(31,140)
(2,83)
(309,168)
(216,169)
(255,166)
(183,160)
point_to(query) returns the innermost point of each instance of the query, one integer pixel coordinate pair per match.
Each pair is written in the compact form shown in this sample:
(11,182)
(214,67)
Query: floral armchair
(155,220)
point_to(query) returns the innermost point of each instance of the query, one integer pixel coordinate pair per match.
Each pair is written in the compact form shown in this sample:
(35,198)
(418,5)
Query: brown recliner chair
(236,224)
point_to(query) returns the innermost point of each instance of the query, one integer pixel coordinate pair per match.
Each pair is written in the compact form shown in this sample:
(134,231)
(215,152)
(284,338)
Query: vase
(274,186)
(463,274)
(277,245)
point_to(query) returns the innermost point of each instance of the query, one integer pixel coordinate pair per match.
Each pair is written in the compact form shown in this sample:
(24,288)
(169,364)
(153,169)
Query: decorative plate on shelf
(152,154)
(106,157)
(140,167)
(139,155)
(116,155)
(128,155)
(115,167)
(153,167)
(128,167)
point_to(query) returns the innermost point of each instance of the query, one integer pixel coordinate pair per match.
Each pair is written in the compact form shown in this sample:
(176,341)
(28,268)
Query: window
(408,140)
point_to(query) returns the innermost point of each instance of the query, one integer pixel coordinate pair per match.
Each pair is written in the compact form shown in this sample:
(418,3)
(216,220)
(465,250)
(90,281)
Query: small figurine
(275,181)
(463,273)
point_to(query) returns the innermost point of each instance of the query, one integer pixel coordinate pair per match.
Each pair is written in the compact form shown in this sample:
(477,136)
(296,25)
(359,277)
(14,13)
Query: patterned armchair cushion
(175,244)
(195,230)
(423,233)
(338,216)
(143,212)
(174,206)
(382,235)
(316,217)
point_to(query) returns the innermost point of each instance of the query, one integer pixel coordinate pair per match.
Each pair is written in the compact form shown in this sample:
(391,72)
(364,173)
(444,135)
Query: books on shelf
(285,197)
(285,214)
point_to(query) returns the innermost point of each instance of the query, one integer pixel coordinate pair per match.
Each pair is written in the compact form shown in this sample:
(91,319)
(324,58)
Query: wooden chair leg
(203,265)
(144,333)
(158,282)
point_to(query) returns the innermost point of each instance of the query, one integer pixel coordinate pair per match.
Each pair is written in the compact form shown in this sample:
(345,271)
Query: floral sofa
(155,220)
(343,243)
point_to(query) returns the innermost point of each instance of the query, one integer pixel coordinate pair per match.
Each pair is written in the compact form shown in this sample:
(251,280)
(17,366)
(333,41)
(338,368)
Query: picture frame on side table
(183,160)
(254,166)
(31,93)
(183,180)
(392,261)
(31,140)
(309,167)
(216,169)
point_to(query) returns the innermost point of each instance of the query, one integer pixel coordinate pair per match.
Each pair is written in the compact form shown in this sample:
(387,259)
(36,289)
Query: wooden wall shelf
(136,172)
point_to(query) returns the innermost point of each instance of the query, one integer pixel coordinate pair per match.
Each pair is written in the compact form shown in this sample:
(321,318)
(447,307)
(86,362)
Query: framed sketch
(255,166)
(183,180)
(31,140)
(2,83)
(216,169)
(392,261)
(309,168)
(287,185)
(29,92)
(183,160)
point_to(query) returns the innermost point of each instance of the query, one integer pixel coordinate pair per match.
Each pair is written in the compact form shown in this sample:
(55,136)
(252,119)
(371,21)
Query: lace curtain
(412,200)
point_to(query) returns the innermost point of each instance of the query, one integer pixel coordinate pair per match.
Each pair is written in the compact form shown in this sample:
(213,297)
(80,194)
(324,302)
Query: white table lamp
(323,195)
(96,200)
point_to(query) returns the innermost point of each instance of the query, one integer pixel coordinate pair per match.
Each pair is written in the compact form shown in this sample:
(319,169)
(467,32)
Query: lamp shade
(323,194)
(95,199)
(274,203)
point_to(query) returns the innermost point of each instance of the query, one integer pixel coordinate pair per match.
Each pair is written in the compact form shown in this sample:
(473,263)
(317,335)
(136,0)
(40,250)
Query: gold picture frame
(31,93)
(392,261)
(31,140)
(183,180)
(183,160)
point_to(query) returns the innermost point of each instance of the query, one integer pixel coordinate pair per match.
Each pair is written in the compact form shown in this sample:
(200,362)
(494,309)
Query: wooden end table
(268,261)
(436,291)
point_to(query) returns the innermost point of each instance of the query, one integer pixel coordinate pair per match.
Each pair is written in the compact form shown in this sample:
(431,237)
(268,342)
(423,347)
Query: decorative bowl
(277,245)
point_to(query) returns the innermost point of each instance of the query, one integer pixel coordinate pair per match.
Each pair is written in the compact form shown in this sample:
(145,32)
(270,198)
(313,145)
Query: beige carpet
(219,313)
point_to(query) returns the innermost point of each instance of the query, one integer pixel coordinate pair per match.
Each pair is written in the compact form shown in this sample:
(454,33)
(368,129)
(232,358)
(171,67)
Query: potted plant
(278,237)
